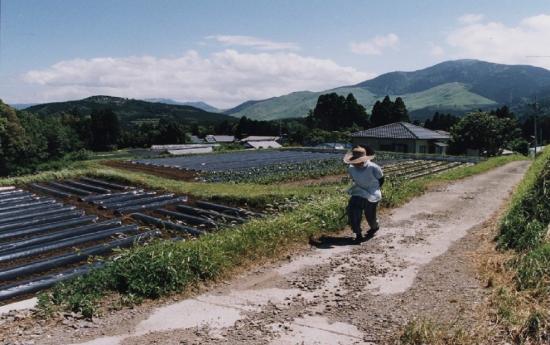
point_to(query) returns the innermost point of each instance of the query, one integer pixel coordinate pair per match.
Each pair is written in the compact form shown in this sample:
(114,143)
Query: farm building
(219,139)
(402,137)
(261,142)
(196,140)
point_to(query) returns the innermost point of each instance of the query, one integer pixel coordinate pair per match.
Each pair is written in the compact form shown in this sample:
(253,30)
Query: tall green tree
(172,132)
(105,129)
(503,113)
(441,121)
(387,112)
(399,111)
(13,140)
(483,132)
(354,114)
(333,112)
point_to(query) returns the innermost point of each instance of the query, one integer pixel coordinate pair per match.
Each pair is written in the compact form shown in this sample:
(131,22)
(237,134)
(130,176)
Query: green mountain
(452,86)
(501,83)
(21,106)
(130,110)
(296,104)
(201,105)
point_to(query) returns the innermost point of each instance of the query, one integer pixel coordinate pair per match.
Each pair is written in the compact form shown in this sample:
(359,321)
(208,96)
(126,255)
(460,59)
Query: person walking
(365,193)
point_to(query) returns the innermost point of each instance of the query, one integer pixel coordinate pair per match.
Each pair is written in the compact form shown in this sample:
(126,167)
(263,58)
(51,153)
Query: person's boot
(358,238)
(372,231)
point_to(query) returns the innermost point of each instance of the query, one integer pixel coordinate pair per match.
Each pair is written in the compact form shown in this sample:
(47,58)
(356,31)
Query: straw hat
(357,155)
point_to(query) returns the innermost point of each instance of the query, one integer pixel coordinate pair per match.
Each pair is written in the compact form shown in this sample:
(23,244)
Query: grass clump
(424,332)
(533,269)
(525,225)
(536,329)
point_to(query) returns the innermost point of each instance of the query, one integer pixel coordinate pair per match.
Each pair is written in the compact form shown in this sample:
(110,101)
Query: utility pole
(535,137)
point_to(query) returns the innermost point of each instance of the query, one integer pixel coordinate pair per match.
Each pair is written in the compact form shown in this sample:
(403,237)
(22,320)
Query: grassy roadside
(165,267)
(522,284)
(517,269)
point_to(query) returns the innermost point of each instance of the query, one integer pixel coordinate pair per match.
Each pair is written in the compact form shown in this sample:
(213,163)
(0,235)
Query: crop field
(265,167)
(411,169)
(242,160)
(49,231)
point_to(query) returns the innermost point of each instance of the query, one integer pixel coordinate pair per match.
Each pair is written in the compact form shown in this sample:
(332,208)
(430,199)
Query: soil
(418,266)
(171,173)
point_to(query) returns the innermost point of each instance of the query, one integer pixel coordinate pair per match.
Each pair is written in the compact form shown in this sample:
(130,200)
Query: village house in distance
(403,137)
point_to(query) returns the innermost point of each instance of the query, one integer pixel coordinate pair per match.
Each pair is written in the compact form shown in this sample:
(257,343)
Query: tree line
(29,142)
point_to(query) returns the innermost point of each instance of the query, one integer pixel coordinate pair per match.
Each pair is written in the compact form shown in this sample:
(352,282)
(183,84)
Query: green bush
(519,145)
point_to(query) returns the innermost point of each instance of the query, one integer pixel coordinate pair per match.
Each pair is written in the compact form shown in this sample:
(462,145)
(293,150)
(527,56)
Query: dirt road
(335,293)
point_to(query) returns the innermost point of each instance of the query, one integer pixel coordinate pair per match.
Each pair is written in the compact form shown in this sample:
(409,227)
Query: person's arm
(379,174)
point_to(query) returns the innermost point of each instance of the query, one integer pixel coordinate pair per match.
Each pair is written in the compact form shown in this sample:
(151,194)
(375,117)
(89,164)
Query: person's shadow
(327,241)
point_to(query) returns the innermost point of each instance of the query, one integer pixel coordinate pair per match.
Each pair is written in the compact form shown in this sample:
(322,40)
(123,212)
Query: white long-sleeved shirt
(365,181)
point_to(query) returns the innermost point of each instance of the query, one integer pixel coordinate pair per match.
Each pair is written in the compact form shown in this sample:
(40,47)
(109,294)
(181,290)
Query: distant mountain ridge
(501,83)
(201,105)
(21,106)
(130,110)
(452,86)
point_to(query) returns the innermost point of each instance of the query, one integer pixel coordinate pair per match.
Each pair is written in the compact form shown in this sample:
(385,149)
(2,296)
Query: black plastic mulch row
(41,283)
(72,258)
(84,187)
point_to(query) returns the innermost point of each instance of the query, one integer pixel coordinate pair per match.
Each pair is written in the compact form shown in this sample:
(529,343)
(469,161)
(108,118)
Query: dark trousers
(356,207)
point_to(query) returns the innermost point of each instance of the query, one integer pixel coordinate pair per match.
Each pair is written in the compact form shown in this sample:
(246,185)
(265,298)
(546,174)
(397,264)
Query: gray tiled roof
(400,130)
(219,138)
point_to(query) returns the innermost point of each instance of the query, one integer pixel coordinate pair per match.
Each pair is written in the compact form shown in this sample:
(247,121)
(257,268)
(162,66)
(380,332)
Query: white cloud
(436,50)
(224,79)
(471,18)
(253,42)
(526,42)
(376,45)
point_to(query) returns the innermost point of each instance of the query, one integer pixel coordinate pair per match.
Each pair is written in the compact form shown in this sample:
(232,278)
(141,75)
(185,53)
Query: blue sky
(226,52)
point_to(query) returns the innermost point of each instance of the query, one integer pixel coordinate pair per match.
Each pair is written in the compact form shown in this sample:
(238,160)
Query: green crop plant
(278,173)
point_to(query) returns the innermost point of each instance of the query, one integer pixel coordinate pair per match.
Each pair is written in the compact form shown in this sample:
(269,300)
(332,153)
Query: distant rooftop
(259,138)
(266,144)
(220,138)
(400,130)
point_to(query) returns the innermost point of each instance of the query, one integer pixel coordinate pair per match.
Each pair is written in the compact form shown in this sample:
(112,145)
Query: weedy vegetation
(521,298)
(423,332)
